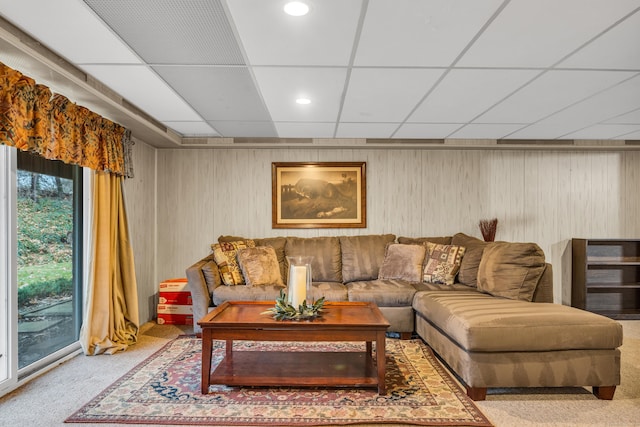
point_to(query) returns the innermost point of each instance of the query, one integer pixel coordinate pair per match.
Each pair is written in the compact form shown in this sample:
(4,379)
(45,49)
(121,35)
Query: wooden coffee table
(340,321)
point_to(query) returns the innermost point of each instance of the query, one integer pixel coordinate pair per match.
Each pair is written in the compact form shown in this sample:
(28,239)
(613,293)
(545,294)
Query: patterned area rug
(165,389)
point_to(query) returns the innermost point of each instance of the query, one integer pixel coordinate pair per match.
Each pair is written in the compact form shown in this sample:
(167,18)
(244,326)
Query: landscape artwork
(319,195)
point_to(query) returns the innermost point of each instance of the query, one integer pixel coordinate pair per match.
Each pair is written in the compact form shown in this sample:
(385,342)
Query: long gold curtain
(111,317)
(35,120)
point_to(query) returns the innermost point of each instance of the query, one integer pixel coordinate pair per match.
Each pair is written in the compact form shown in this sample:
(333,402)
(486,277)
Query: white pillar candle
(297,284)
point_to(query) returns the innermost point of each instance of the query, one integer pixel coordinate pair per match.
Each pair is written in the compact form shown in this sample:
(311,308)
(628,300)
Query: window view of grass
(45,248)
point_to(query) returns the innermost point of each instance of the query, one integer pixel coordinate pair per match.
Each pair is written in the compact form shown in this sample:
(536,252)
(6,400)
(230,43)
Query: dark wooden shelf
(606,277)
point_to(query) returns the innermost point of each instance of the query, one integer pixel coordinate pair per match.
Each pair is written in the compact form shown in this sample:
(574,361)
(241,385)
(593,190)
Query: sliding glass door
(43,284)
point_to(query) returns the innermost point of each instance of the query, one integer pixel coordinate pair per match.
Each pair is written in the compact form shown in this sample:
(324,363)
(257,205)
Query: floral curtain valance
(33,119)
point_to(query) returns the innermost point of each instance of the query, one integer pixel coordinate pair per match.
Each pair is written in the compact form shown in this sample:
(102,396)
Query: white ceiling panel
(633,136)
(420,33)
(539,33)
(604,132)
(385,94)
(550,93)
(366,130)
(485,131)
(464,94)
(217,93)
(191,128)
(612,48)
(618,100)
(546,131)
(629,118)
(305,130)
(427,130)
(324,36)
(281,86)
(69,28)
(145,90)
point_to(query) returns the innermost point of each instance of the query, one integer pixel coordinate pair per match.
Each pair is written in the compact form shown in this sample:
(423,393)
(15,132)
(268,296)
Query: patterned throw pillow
(225,256)
(442,263)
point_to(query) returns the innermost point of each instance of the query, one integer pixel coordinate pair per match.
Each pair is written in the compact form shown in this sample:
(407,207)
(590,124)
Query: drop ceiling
(380,69)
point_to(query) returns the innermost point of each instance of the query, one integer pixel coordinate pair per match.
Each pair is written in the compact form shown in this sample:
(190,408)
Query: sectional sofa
(485,308)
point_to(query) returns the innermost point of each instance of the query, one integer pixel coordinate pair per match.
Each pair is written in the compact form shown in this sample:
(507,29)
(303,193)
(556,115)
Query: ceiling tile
(613,102)
(485,131)
(464,94)
(245,128)
(615,49)
(540,33)
(305,130)
(173,32)
(269,36)
(550,93)
(191,128)
(366,130)
(143,88)
(420,33)
(427,130)
(79,37)
(546,131)
(281,86)
(385,94)
(217,93)
(604,132)
(629,118)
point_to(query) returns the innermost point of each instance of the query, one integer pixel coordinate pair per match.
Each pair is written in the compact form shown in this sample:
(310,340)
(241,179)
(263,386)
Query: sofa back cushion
(468,274)
(445,240)
(511,270)
(362,256)
(327,261)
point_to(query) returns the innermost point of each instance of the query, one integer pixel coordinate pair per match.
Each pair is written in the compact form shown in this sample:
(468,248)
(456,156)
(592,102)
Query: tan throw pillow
(224,254)
(260,266)
(473,249)
(442,263)
(511,270)
(403,262)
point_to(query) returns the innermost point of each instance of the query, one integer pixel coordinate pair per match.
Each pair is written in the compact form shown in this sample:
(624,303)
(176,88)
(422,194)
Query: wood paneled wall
(140,201)
(546,197)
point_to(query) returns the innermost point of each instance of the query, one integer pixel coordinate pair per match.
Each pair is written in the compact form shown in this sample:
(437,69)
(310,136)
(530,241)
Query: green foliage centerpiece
(283,310)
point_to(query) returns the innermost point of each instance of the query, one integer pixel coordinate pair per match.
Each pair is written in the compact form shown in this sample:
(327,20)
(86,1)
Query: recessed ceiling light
(303,101)
(296,8)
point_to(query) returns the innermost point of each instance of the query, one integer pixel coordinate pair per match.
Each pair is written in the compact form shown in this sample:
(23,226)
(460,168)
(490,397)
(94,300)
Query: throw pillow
(442,263)
(511,270)
(468,274)
(224,254)
(260,266)
(402,262)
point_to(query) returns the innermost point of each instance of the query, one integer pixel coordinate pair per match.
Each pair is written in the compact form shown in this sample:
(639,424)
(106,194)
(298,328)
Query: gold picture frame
(319,195)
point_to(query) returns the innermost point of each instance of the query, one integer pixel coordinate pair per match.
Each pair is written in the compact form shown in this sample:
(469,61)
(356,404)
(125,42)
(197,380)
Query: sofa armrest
(200,296)
(544,289)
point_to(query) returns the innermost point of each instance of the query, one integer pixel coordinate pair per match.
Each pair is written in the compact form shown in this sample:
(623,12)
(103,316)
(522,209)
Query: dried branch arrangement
(488,229)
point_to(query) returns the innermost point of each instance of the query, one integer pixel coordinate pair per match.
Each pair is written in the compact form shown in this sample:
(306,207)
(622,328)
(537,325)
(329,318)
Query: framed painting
(319,195)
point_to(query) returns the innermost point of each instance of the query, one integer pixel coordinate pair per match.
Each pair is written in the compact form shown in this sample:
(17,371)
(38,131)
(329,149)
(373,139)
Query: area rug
(165,389)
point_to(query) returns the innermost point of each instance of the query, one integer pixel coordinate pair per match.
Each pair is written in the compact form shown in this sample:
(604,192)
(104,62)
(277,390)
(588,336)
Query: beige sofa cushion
(277,243)
(468,273)
(511,270)
(259,266)
(385,293)
(362,256)
(327,261)
(482,323)
(403,262)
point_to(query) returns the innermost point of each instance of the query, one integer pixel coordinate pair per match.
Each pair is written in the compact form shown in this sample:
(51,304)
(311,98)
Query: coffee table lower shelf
(301,369)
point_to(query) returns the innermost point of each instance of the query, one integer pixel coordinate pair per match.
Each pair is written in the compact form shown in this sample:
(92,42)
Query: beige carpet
(51,398)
